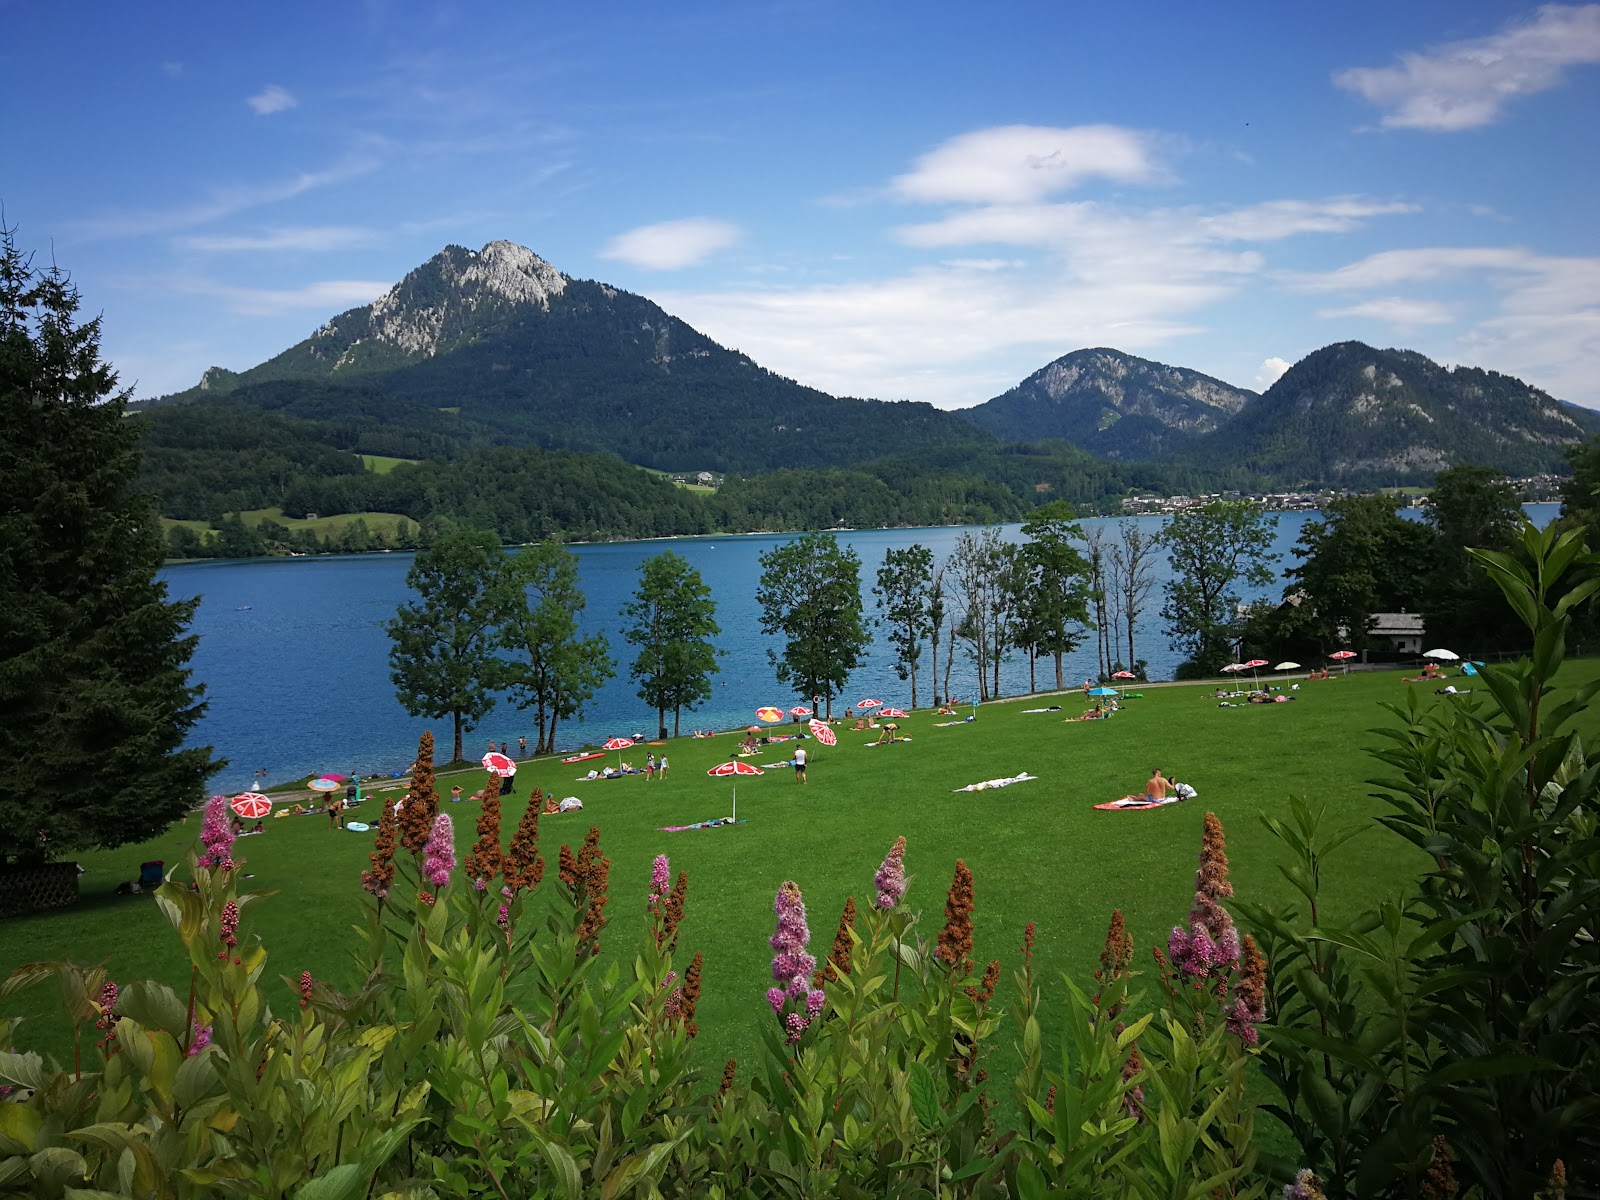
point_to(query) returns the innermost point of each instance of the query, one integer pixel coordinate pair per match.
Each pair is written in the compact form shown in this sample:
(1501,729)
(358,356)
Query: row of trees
(484,624)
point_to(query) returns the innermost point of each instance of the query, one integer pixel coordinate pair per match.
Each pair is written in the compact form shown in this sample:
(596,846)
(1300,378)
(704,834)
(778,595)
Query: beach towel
(1052,708)
(947,724)
(788,762)
(584,757)
(712,824)
(991,784)
(1135,803)
(896,742)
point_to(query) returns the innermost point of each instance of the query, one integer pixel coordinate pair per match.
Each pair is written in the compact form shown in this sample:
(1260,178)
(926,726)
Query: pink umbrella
(499,764)
(769,714)
(722,770)
(324,784)
(1124,675)
(824,733)
(1232,667)
(869,703)
(251,805)
(799,711)
(891,712)
(1341,655)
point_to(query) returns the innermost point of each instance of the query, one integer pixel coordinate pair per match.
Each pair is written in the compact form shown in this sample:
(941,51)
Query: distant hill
(1349,413)
(1112,404)
(523,355)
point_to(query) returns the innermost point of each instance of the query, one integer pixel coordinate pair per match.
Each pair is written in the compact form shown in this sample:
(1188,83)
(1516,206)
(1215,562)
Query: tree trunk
(677,715)
(456,757)
(1061,681)
(1033,666)
(552,739)
(935,668)
(661,720)
(1131,659)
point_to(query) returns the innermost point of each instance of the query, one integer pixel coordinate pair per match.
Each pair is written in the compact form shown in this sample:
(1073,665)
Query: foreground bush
(1444,1045)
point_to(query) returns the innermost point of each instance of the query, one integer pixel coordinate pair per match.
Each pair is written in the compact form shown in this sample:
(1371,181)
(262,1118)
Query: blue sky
(924,201)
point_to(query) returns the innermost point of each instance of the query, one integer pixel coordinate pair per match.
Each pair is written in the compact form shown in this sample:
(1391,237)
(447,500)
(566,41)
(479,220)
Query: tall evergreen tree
(810,595)
(94,675)
(674,620)
(1056,606)
(904,591)
(555,672)
(442,661)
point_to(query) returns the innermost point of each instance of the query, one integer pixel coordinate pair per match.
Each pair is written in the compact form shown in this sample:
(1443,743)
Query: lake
(294,655)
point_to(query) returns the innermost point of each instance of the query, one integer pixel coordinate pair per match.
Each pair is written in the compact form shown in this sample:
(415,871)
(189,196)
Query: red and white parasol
(723,770)
(619,743)
(1254,664)
(869,703)
(1341,655)
(769,714)
(891,712)
(824,733)
(252,806)
(1232,667)
(799,710)
(499,764)
(1124,675)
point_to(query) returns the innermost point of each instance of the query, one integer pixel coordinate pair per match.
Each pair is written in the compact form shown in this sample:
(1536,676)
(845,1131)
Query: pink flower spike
(439,855)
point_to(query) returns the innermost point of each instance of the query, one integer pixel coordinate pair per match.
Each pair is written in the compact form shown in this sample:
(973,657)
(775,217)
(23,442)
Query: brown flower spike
(523,867)
(380,878)
(838,961)
(955,939)
(567,868)
(691,993)
(422,803)
(593,877)
(672,912)
(484,860)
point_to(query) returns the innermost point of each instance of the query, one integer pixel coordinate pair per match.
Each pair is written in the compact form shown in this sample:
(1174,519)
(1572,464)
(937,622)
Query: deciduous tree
(556,671)
(1056,604)
(442,661)
(94,658)
(674,620)
(1216,551)
(904,591)
(810,596)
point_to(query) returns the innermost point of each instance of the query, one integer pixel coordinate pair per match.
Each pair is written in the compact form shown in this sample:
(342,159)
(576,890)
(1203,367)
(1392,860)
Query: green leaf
(346,1182)
(924,1096)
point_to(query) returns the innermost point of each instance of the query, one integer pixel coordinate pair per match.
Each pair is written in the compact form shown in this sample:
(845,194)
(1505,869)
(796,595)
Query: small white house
(1402,629)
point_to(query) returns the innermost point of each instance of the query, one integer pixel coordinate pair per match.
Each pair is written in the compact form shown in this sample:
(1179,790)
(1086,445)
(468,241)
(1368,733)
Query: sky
(905,201)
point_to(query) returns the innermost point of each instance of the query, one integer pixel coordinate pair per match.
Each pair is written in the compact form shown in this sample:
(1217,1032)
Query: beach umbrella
(769,714)
(869,704)
(722,770)
(1232,667)
(1342,655)
(824,733)
(1287,666)
(335,778)
(619,745)
(753,729)
(252,806)
(325,784)
(501,765)
(1103,691)
(1254,665)
(891,712)
(1442,655)
(1124,675)
(799,710)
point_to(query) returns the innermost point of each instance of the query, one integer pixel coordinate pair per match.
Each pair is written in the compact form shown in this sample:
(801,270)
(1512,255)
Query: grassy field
(382,464)
(321,526)
(1038,850)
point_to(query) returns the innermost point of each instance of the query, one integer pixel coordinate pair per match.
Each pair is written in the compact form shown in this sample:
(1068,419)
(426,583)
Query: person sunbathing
(946,711)
(861,724)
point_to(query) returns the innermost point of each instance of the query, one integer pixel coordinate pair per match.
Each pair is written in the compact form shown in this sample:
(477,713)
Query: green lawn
(1038,850)
(382,464)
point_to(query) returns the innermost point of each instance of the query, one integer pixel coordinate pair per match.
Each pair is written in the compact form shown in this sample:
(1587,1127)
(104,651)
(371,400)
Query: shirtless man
(1156,789)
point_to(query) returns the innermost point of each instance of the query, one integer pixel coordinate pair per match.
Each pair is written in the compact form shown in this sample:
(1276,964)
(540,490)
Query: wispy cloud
(1399,312)
(172,70)
(311,238)
(671,245)
(327,295)
(223,202)
(1543,322)
(1463,85)
(1020,164)
(272,99)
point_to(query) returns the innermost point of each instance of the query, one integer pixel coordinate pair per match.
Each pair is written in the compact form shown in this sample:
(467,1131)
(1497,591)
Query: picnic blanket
(712,824)
(990,784)
(1135,803)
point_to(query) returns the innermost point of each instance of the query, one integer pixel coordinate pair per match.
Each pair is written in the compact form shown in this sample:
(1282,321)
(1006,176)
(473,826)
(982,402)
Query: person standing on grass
(800,765)
(661,767)
(649,767)
(336,811)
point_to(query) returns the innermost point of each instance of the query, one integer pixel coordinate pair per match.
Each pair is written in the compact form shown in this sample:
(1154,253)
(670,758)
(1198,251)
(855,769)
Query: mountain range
(495,347)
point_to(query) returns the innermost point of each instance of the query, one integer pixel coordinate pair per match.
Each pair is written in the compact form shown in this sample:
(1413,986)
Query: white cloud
(223,202)
(272,99)
(1544,318)
(1020,164)
(314,238)
(328,295)
(671,245)
(1398,311)
(1270,371)
(1463,85)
